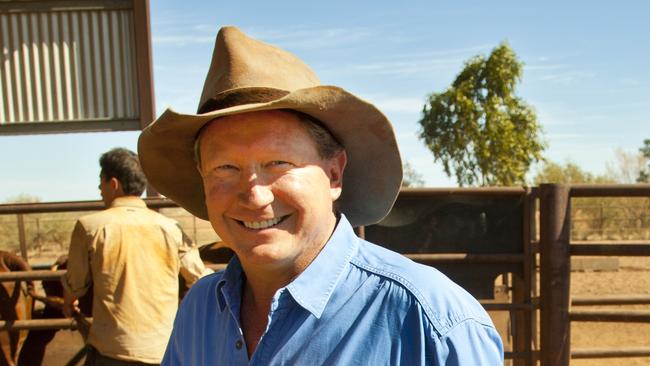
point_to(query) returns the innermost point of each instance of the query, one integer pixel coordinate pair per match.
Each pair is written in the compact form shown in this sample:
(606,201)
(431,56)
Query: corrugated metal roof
(72,65)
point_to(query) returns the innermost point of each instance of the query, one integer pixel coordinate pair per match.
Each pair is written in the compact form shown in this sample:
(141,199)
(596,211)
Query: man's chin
(266,254)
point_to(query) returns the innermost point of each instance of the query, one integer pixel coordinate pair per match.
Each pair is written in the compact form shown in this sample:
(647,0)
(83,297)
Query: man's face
(106,189)
(268,193)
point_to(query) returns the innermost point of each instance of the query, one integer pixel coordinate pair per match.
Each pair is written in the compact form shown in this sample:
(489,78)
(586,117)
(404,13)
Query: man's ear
(336,169)
(116,186)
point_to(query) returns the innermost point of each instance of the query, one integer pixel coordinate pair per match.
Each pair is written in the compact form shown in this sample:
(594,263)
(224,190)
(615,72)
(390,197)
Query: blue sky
(586,73)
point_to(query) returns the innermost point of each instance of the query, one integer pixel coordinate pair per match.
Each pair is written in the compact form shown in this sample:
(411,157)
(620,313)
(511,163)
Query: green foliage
(569,173)
(479,128)
(411,177)
(644,174)
(599,218)
(610,218)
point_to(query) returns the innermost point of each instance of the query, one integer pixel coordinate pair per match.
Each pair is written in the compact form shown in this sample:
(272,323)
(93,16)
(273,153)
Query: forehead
(269,126)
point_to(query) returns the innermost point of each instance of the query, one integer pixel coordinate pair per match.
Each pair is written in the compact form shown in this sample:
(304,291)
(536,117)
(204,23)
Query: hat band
(235,97)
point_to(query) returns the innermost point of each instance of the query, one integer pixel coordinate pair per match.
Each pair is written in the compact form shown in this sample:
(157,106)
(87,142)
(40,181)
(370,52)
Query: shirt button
(239,344)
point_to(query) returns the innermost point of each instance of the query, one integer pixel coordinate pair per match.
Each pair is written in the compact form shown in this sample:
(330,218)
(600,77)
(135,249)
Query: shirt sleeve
(470,343)
(192,267)
(77,278)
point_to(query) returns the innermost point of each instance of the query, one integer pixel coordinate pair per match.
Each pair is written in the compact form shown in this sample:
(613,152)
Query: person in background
(284,168)
(131,256)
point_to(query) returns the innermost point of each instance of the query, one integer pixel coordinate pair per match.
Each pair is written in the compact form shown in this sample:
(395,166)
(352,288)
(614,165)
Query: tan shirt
(132,256)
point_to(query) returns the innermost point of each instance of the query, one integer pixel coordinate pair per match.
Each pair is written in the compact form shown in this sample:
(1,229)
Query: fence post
(555,271)
(22,238)
(523,288)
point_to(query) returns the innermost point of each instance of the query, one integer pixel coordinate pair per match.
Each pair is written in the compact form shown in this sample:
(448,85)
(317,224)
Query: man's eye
(226,167)
(280,163)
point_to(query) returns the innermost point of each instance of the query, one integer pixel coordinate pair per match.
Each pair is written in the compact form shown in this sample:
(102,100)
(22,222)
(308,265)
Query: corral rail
(554,247)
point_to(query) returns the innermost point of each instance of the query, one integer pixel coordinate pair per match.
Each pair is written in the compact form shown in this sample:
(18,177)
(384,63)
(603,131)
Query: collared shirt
(131,256)
(355,304)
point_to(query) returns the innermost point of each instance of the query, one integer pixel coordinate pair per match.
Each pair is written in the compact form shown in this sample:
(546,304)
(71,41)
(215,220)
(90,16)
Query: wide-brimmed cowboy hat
(247,75)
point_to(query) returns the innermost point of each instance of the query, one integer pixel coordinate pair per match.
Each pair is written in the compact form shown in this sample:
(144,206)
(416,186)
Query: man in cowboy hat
(284,167)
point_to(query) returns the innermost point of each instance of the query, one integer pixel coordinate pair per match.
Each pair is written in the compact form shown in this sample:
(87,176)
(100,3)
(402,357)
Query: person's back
(132,257)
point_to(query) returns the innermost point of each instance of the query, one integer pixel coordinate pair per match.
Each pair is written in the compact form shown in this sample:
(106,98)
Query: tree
(23,198)
(569,173)
(626,168)
(411,177)
(479,128)
(644,174)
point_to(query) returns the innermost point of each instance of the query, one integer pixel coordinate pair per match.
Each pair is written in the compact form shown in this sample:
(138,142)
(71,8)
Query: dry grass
(48,235)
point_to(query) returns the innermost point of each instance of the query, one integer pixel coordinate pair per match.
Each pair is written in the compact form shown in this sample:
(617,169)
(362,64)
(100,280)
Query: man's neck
(118,197)
(261,284)
(253,316)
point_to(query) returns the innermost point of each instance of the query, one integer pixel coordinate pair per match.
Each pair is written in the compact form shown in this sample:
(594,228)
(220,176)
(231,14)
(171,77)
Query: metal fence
(42,226)
(493,253)
(610,218)
(556,250)
(482,238)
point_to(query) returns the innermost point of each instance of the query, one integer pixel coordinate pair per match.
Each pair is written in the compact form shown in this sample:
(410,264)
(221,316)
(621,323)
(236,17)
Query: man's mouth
(264,224)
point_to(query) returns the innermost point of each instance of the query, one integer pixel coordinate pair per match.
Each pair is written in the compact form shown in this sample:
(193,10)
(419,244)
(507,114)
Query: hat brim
(371,179)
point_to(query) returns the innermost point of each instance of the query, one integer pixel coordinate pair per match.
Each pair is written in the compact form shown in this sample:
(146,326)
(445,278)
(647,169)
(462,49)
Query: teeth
(261,224)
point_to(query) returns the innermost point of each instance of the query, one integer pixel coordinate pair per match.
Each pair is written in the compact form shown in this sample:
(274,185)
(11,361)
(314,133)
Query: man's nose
(255,195)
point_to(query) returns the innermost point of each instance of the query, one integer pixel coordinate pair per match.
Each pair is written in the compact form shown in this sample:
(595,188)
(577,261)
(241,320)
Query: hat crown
(239,61)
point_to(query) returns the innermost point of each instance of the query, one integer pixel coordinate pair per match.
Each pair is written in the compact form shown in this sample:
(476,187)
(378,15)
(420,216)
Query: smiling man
(284,167)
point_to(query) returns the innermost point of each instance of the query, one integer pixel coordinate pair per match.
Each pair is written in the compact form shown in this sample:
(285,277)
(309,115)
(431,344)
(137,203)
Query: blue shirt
(355,304)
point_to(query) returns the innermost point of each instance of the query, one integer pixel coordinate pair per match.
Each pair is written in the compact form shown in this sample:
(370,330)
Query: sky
(586,74)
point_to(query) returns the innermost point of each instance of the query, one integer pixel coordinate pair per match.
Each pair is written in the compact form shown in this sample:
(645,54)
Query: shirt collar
(128,201)
(229,287)
(313,288)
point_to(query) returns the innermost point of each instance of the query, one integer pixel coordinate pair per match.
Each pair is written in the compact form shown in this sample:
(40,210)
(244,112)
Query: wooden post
(555,271)
(144,62)
(22,238)
(522,288)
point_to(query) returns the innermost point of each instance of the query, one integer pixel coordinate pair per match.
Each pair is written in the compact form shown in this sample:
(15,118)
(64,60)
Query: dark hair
(123,165)
(326,144)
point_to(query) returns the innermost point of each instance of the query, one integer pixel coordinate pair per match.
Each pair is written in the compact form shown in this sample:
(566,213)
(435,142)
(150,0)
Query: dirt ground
(63,347)
(633,277)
